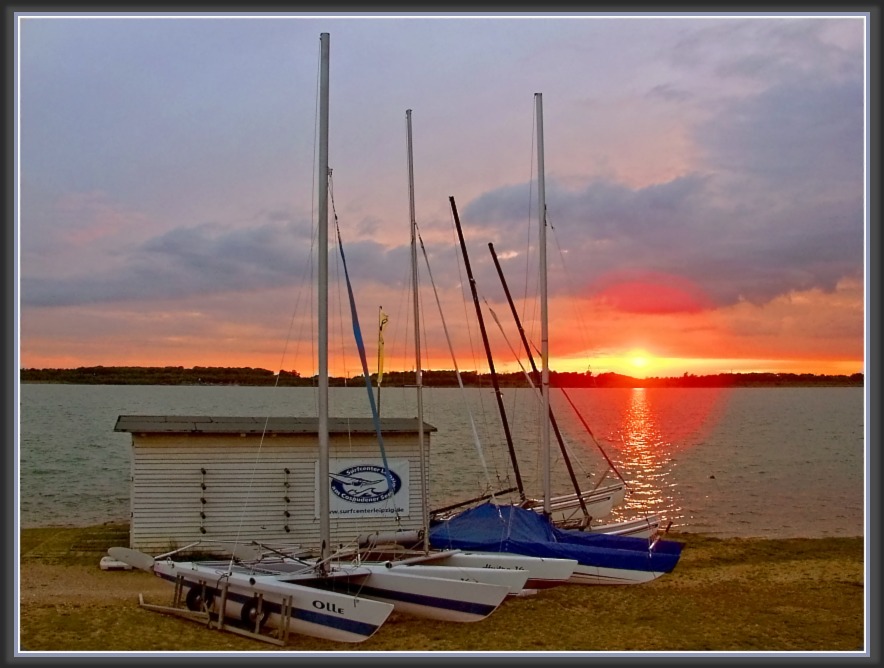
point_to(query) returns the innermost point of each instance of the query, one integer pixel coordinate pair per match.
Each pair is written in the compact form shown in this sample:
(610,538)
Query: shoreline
(735,594)
(674,532)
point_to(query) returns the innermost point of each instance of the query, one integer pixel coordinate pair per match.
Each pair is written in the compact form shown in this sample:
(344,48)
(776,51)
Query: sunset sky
(705,186)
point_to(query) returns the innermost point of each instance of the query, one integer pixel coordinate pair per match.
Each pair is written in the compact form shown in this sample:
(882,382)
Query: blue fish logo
(365,483)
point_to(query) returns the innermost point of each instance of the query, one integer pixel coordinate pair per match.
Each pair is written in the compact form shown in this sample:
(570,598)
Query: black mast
(497,393)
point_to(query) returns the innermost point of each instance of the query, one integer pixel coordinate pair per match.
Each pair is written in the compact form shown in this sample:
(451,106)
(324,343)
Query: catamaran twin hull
(602,559)
(515,571)
(643,527)
(441,599)
(435,592)
(326,614)
(566,513)
(597,502)
(514,580)
(596,575)
(542,572)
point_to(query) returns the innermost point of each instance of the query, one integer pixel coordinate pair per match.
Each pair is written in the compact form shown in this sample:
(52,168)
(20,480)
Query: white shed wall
(245,493)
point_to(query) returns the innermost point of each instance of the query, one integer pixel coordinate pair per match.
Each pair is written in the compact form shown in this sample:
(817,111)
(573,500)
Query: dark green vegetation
(177,375)
(735,595)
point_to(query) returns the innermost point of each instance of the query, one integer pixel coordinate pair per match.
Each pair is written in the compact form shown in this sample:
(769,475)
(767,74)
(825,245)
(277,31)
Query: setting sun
(639,361)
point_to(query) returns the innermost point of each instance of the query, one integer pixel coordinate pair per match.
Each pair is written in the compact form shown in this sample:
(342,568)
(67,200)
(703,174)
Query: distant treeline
(199,375)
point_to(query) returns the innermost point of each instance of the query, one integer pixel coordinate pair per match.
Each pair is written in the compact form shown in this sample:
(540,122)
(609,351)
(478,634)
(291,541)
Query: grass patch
(739,595)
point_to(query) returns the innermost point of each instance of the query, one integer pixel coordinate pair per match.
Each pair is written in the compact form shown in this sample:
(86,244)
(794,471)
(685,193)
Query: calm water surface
(772,462)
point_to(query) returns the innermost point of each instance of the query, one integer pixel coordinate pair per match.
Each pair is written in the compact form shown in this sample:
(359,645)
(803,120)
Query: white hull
(313,612)
(594,575)
(638,528)
(542,572)
(429,591)
(513,579)
(599,503)
(567,513)
(441,599)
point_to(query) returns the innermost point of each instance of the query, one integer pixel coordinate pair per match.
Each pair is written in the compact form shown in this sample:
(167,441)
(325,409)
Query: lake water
(769,462)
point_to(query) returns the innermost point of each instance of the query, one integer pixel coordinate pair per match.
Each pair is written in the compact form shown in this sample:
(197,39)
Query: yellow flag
(382,320)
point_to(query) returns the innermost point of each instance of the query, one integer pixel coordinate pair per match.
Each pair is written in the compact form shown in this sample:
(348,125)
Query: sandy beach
(733,595)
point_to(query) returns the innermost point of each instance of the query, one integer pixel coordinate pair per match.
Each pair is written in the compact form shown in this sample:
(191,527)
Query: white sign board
(362,488)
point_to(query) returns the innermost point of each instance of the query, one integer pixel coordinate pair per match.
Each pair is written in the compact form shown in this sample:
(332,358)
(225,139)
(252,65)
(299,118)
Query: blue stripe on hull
(480,609)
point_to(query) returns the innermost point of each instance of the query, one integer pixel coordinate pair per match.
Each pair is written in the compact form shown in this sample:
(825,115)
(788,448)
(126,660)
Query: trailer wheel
(249,614)
(196,601)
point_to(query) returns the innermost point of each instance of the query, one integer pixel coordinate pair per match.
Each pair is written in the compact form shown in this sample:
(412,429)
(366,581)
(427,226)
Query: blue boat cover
(493,528)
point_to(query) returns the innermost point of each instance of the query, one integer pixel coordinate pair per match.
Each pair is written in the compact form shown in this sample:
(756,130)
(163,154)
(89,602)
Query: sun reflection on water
(645,460)
(645,432)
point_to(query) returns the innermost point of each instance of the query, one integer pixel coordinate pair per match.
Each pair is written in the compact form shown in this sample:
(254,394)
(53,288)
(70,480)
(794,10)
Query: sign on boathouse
(226,479)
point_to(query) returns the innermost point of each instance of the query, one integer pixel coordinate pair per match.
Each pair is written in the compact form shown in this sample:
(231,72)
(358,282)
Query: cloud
(215,258)
(712,163)
(775,205)
(201,259)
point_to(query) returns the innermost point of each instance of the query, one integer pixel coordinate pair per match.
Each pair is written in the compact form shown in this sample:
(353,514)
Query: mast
(322,299)
(497,393)
(418,376)
(544,312)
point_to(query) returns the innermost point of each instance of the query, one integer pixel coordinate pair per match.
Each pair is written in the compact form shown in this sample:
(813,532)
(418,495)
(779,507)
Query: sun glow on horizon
(650,366)
(639,359)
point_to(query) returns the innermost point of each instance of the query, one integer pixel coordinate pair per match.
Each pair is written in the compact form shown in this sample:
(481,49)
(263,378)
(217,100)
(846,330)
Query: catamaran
(409,552)
(346,602)
(514,528)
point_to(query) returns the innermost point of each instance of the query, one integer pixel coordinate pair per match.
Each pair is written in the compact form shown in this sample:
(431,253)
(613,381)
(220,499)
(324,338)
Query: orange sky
(585,335)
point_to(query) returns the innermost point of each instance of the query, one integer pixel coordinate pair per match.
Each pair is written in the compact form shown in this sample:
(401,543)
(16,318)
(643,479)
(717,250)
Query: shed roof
(206,424)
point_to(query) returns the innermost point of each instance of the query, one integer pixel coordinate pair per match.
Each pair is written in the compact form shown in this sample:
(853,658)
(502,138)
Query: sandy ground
(62,585)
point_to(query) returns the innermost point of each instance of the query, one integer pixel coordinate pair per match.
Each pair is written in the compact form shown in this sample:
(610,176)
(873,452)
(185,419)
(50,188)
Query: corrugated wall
(187,488)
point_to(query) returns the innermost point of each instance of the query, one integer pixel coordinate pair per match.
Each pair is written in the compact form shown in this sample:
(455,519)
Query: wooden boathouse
(239,479)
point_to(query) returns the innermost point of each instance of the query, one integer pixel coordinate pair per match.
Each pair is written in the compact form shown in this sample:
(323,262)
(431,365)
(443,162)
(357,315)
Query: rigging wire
(583,328)
(536,391)
(308,273)
(533,421)
(339,299)
(480,394)
(357,334)
(475,433)
(570,284)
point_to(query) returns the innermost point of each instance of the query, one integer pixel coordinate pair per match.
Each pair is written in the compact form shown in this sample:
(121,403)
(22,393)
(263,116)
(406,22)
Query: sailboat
(438,592)
(598,503)
(578,509)
(265,597)
(602,559)
(318,594)
(445,594)
(410,551)
(593,503)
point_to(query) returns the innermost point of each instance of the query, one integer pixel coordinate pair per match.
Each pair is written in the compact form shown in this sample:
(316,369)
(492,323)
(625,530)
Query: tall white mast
(544,312)
(425,519)
(322,270)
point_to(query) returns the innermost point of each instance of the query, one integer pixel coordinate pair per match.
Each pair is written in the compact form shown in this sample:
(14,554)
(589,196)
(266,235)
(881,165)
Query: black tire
(196,601)
(249,614)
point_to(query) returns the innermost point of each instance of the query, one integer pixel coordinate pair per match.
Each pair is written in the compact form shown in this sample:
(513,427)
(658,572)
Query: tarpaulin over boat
(493,528)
